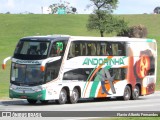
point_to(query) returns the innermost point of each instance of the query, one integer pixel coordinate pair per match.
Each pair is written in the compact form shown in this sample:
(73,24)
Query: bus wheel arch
(75,95)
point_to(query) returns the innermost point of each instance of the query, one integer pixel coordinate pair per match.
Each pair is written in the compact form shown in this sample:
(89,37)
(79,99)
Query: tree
(157,10)
(64,6)
(102,19)
(8,12)
(106,5)
(136,31)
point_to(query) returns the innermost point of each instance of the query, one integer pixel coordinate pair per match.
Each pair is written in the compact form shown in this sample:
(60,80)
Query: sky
(34,6)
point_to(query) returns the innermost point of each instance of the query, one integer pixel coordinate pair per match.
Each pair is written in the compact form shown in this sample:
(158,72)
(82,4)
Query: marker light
(42,68)
(3,66)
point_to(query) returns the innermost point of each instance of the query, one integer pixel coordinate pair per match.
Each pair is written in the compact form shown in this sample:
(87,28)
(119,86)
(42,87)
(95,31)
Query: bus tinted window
(83,73)
(80,74)
(31,50)
(58,48)
(93,48)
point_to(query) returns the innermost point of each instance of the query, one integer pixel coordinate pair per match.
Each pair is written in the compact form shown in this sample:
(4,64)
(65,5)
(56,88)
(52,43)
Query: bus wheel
(127,93)
(74,97)
(44,101)
(62,97)
(135,93)
(30,101)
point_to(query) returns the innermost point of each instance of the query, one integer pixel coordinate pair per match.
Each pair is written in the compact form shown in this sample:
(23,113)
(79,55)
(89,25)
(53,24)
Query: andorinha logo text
(100,61)
(27,62)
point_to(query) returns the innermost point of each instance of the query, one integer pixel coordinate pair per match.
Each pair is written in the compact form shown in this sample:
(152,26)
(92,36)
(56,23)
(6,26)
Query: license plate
(23,97)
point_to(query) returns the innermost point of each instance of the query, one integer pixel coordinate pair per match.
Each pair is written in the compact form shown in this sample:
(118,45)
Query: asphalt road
(86,107)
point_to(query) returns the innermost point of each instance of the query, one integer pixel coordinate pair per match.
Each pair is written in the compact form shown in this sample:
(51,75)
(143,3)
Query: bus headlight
(38,89)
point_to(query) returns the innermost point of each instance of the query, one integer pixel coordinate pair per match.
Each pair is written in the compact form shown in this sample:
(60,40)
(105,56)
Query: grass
(13,27)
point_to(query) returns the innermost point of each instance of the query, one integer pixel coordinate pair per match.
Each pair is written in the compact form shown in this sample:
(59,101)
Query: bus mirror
(5,61)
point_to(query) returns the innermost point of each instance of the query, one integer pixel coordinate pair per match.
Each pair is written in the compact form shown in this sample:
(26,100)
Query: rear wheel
(75,96)
(62,97)
(127,93)
(30,101)
(135,93)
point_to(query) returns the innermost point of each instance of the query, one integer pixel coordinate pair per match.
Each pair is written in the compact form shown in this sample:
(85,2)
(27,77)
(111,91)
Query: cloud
(10,4)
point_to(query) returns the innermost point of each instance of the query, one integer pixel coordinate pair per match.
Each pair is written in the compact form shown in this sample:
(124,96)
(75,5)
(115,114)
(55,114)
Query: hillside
(13,27)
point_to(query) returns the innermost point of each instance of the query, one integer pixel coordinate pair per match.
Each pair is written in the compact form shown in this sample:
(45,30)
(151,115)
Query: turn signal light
(42,68)
(3,66)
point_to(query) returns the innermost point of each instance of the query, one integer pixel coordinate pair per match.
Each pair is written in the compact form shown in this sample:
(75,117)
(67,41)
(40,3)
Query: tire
(135,93)
(44,101)
(74,97)
(62,97)
(30,101)
(127,93)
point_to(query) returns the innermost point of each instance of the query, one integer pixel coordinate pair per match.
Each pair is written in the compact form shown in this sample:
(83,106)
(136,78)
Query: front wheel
(75,96)
(135,93)
(30,101)
(62,97)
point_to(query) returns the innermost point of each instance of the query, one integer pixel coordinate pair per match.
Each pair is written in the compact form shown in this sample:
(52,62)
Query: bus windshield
(29,50)
(26,75)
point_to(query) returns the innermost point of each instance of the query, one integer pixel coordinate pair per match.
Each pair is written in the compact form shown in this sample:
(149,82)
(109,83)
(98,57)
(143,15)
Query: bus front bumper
(41,95)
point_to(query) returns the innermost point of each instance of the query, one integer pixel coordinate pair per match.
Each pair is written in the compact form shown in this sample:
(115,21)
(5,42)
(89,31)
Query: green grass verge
(13,27)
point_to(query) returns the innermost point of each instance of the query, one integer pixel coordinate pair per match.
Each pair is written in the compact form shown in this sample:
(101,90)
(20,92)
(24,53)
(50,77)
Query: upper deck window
(96,48)
(31,50)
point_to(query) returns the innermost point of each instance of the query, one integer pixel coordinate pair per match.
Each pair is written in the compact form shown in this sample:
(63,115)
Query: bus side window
(93,49)
(121,49)
(57,49)
(119,73)
(104,49)
(98,49)
(80,74)
(72,51)
(53,51)
(115,49)
(83,49)
(77,49)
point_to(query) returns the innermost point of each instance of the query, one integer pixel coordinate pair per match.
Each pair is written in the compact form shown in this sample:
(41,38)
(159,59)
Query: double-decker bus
(66,68)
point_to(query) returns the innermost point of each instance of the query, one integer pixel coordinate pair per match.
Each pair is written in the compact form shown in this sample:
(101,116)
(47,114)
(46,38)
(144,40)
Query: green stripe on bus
(93,89)
(149,40)
(88,79)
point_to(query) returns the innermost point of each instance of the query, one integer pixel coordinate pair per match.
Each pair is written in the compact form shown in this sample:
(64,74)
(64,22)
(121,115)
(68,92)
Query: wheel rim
(136,92)
(63,96)
(74,95)
(127,94)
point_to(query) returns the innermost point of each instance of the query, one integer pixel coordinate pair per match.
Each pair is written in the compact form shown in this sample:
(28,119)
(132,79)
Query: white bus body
(67,68)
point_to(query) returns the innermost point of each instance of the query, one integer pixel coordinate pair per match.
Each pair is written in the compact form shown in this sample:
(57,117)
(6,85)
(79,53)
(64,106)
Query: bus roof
(46,38)
(125,39)
(86,38)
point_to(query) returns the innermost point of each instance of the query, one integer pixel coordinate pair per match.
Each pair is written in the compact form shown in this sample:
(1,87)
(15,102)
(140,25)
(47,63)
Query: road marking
(116,107)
